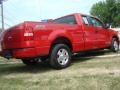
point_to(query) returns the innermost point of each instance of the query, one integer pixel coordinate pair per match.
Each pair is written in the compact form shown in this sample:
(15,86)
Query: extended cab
(57,40)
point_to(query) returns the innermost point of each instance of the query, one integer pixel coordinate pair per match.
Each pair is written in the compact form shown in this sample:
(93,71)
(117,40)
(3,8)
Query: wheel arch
(61,40)
(116,38)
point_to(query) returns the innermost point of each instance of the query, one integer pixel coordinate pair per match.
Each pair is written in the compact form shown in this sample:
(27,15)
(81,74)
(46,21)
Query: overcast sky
(16,11)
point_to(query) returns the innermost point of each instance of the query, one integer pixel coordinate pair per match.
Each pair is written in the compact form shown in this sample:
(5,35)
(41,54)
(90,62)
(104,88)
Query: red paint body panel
(33,39)
(29,52)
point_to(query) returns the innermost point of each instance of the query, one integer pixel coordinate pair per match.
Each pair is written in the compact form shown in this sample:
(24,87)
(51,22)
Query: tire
(60,56)
(29,62)
(115,45)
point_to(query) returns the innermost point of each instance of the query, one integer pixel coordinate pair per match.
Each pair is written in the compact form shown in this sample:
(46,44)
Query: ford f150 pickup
(57,40)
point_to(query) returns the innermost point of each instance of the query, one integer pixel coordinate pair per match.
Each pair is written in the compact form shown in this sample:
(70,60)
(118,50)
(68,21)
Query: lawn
(85,73)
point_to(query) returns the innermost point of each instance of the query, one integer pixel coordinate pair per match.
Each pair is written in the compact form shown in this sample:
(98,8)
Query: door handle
(78,31)
(96,31)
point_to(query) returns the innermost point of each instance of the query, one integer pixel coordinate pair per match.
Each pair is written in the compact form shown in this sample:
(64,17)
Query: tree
(108,11)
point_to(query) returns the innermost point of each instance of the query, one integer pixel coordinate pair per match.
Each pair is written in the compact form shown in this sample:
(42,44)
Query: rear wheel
(115,45)
(30,61)
(60,56)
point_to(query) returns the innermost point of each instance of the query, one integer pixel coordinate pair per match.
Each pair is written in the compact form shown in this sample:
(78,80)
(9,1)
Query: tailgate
(12,38)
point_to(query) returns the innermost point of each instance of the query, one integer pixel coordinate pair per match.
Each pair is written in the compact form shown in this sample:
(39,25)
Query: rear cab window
(66,20)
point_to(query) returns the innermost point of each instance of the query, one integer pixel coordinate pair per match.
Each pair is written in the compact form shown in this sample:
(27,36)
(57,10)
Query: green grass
(83,74)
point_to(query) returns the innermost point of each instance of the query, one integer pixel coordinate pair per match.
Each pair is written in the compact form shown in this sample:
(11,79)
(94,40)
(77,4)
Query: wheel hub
(116,47)
(62,56)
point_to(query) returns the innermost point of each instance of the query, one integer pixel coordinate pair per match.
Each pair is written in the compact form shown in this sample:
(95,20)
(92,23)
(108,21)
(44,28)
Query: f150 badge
(40,27)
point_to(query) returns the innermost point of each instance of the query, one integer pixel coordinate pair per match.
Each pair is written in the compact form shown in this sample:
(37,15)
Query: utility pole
(2,15)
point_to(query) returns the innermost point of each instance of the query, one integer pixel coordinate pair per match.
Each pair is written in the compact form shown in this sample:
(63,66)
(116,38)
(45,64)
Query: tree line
(108,11)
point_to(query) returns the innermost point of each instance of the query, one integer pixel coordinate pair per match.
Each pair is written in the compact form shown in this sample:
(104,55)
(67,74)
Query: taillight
(28,34)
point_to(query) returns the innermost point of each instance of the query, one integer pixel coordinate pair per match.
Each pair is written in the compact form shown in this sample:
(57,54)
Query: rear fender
(59,33)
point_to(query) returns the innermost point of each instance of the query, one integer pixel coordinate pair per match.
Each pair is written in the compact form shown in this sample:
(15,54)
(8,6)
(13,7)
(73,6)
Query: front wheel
(60,56)
(115,45)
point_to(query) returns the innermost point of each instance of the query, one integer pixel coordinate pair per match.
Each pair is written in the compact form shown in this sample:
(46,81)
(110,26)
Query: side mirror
(107,26)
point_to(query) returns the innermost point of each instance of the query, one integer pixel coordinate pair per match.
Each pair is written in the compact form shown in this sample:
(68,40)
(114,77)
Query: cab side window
(96,22)
(85,20)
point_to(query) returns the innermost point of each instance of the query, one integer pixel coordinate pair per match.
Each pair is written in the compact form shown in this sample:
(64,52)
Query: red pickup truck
(57,40)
